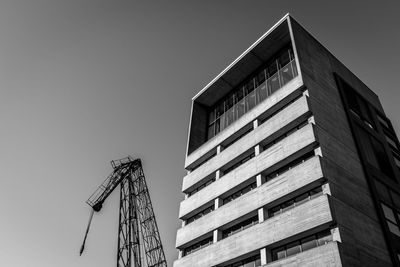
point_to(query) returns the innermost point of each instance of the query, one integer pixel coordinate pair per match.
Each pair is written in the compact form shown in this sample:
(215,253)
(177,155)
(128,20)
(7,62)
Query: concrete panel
(247,118)
(309,215)
(310,168)
(323,256)
(250,140)
(296,178)
(351,199)
(276,153)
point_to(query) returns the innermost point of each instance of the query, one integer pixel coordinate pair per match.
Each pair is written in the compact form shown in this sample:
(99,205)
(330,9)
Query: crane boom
(121,170)
(136,215)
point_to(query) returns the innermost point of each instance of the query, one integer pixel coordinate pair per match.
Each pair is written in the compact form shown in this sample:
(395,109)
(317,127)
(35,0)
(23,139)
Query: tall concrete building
(291,161)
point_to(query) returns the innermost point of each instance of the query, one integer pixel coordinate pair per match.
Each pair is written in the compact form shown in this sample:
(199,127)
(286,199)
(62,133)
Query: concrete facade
(286,183)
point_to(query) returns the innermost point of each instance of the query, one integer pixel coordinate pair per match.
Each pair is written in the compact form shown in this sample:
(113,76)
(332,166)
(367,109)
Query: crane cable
(87,231)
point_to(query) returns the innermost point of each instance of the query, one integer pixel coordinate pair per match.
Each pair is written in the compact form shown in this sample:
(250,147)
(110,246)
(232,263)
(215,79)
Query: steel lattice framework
(137,223)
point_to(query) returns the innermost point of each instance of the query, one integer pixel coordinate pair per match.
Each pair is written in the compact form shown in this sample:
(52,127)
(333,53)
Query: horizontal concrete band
(247,118)
(276,153)
(280,120)
(309,215)
(290,181)
(326,255)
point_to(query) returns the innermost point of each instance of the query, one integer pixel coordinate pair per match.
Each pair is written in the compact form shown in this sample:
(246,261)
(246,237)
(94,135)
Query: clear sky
(83,82)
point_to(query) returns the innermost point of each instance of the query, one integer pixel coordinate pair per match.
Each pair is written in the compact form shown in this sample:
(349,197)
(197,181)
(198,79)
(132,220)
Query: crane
(137,223)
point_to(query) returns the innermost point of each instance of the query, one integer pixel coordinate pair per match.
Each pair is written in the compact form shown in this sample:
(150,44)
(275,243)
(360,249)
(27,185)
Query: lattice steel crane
(136,215)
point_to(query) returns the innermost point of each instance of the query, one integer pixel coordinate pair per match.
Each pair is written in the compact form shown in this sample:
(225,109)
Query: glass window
(240,108)
(261,77)
(397,161)
(246,189)
(382,158)
(231,107)
(239,94)
(383,122)
(365,113)
(229,117)
(284,58)
(396,199)
(388,213)
(293,248)
(382,191)
(302,198)
(275,211)
(211,130)
(391,141)
(229,102)
(324,238)
(273,83)
(280,70)
(251,100)
(287,205)
(374,152)
(358,105)
(367,148)
(217,126)
(278,253)
(249,87)
(308,243)
(262,92)
(351,99)
(220,109)
(272,68)
(393,228)
(286,74)
(316,192)
(211,116)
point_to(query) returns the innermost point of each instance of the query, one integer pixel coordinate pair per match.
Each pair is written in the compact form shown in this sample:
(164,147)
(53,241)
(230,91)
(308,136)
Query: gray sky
(83,82)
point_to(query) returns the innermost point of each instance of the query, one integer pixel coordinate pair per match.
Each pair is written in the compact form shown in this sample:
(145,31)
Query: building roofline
(332,55)
(285,17)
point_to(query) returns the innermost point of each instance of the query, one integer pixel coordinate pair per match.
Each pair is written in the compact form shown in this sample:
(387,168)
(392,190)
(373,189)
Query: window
(240,227)
(197,189)
(278,209)
(374,152)
(392,219)
(384,123)
(391,141)
(358,105)
(396,161)
(239,193)
(301,245)
(200,214)
(281,137)
(252,91)
(308,243)
(289,166)
(293,248)
(199,245)
(383,191)
(253,261)
(240,162)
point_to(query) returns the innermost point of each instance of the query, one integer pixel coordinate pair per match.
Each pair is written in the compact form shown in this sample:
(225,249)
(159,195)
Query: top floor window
(358,106)
(267,80)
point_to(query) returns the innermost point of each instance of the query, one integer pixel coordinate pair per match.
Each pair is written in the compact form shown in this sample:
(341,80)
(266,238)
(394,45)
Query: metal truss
(137,223)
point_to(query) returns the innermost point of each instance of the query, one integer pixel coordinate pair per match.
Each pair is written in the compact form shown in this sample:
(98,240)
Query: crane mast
(137,223)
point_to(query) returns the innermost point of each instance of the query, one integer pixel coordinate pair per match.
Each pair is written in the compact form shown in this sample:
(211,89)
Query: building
(291,162)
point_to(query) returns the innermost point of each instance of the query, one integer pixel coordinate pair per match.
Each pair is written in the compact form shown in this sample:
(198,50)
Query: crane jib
(137,223)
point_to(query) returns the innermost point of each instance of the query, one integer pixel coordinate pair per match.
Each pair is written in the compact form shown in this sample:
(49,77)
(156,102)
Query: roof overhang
(248,62)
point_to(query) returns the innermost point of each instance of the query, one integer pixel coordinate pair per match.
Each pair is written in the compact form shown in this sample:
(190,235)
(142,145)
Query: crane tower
(137,223)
